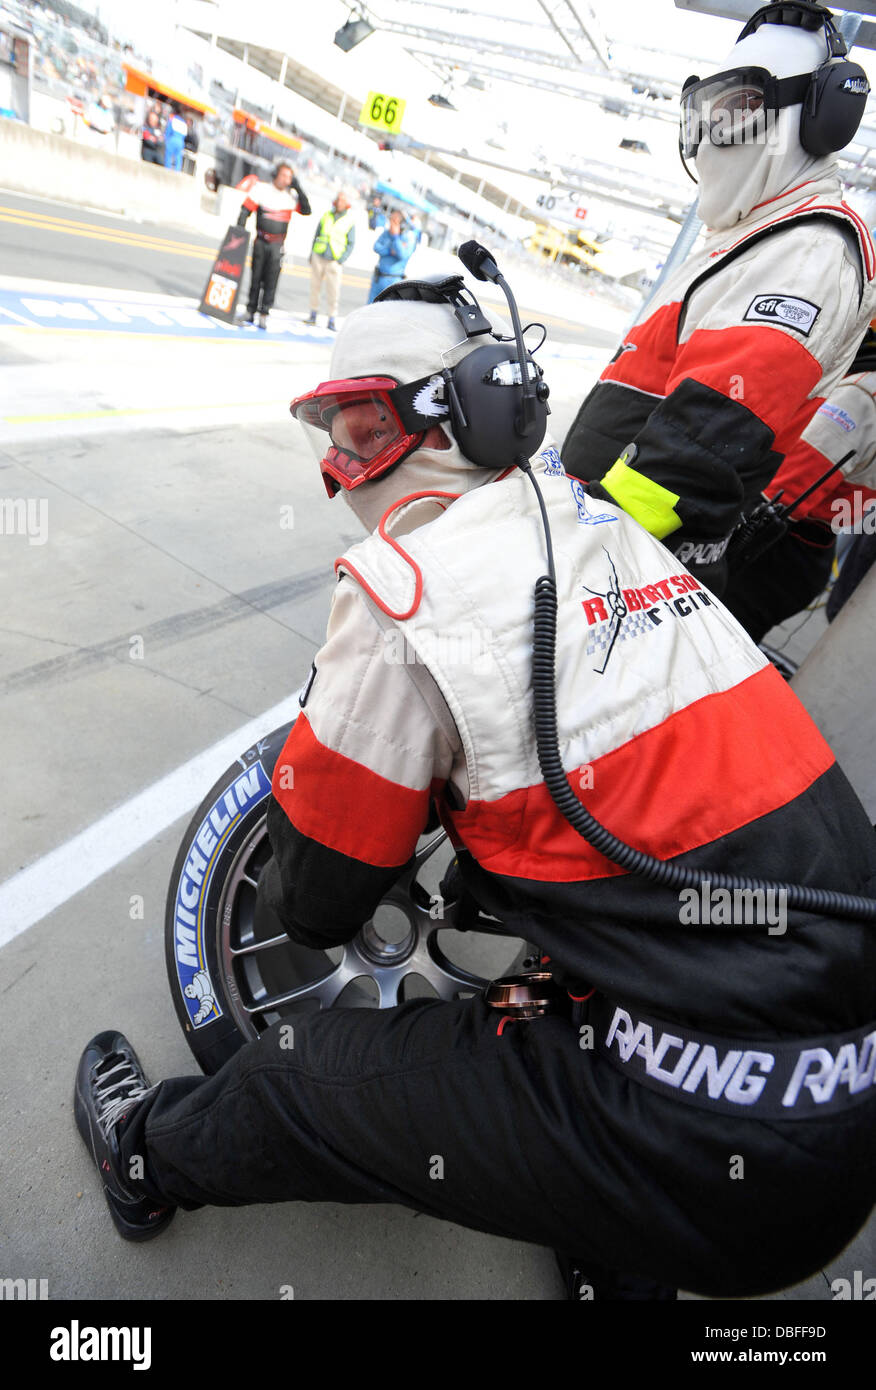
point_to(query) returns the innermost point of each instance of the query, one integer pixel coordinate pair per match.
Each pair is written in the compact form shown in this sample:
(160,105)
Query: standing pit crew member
(619,1145)
(273,204)
(753,331)
(332,245)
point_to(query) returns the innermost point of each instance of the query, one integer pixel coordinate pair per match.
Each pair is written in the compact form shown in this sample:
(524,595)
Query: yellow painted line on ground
(46,223)
(133,410)
(120,238)
(50,223)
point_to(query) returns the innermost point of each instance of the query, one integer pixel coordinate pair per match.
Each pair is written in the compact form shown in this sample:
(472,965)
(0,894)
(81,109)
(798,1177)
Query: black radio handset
(482,265)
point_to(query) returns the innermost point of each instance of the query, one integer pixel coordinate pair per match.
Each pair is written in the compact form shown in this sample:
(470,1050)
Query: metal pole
(687,235)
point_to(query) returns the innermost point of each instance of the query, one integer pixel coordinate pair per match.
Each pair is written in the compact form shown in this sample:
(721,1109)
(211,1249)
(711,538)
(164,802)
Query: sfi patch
(783,309)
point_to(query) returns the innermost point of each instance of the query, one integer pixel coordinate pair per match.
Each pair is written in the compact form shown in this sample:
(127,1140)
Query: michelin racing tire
(229,984)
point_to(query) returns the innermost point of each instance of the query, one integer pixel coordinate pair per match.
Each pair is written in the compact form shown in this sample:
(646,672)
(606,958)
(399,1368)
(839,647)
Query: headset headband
(448,289)
(801,14)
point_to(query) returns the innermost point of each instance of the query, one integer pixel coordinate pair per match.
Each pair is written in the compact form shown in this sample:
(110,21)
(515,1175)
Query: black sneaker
(584,1280)
(109,1082)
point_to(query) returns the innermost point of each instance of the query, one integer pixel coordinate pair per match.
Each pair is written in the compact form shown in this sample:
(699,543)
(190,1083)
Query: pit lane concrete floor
(166,527)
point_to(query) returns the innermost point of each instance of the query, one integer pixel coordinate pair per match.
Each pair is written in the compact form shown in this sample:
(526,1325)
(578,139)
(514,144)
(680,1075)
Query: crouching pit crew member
(605,1129)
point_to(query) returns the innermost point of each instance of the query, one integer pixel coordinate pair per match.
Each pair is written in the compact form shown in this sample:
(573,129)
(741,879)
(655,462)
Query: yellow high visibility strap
(647,502)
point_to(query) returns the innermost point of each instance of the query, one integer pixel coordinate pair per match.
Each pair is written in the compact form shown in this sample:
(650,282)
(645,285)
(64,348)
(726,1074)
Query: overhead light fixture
(353,32)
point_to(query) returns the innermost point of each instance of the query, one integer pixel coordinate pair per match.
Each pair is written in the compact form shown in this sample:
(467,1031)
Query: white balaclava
(734,179)
(404,339)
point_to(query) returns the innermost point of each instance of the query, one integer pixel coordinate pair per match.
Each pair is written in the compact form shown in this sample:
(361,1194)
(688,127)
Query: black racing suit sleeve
(711,451)
(303,201)
(318,896)
(243,215)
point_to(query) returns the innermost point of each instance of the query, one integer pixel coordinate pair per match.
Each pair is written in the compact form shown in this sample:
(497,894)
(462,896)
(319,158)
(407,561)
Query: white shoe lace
(114,1098)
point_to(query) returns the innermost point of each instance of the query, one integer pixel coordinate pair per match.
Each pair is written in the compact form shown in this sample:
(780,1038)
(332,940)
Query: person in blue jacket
(394,248)
(175,132)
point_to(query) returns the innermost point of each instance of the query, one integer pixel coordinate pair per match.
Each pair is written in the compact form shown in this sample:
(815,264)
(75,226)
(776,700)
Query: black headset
(835,94)
(492,425)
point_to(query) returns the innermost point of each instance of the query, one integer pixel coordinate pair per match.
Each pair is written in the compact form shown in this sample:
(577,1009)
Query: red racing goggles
(372,423)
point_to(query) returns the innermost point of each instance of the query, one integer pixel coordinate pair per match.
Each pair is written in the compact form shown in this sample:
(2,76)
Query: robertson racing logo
(618,612)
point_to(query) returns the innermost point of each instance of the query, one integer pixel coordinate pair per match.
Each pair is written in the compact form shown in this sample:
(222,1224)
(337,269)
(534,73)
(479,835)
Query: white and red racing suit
(749,336)
(681,738)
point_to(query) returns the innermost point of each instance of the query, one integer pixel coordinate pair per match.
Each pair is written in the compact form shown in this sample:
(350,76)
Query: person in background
(394,248)
(175,132)
(334,241)
(152,141)
(376,215)
(99,115)
(273,203)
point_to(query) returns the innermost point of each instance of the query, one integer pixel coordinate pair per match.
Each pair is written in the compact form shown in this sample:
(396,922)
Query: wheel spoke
(388,984)
(326,990)
(454,976)
(265,945)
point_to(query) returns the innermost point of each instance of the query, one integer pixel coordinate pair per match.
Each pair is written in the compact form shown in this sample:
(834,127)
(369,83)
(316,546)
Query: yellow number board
(382,112)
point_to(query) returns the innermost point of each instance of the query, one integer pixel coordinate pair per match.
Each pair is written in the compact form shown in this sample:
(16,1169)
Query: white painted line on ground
(47,884)
(7,313)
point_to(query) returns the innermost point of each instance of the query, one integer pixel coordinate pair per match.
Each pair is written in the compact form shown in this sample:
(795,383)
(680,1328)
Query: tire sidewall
(222,823)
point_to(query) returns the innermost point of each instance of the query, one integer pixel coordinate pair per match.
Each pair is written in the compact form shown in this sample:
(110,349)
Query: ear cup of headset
(833,108)
(489,437)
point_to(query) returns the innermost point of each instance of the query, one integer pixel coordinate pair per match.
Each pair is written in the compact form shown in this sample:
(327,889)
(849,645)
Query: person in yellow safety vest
(334,240)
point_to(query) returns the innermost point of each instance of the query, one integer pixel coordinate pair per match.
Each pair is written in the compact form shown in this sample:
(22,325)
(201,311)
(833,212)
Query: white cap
(783,50)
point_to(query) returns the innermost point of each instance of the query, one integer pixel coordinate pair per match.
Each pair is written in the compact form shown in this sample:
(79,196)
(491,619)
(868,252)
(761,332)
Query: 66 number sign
(382,112)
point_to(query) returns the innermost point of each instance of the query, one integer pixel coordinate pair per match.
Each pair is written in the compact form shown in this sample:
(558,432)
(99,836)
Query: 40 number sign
(382,112)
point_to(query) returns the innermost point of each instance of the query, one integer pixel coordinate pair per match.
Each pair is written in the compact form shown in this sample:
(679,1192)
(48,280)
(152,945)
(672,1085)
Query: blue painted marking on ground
(121,315)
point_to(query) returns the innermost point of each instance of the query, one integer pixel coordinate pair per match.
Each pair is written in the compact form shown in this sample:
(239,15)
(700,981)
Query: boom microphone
(478,261)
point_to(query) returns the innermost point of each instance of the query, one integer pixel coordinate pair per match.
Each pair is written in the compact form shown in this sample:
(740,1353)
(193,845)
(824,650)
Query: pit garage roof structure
(555,45)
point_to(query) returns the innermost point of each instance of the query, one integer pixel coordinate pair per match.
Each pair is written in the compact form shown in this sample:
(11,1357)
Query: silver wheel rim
(255,998)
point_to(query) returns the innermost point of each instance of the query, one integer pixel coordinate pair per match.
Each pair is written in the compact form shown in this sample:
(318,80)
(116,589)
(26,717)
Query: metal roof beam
(572,29)
(607,100)
(482,45)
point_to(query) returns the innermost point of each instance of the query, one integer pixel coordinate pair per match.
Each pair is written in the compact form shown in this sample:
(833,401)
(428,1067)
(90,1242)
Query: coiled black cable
(823,901)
